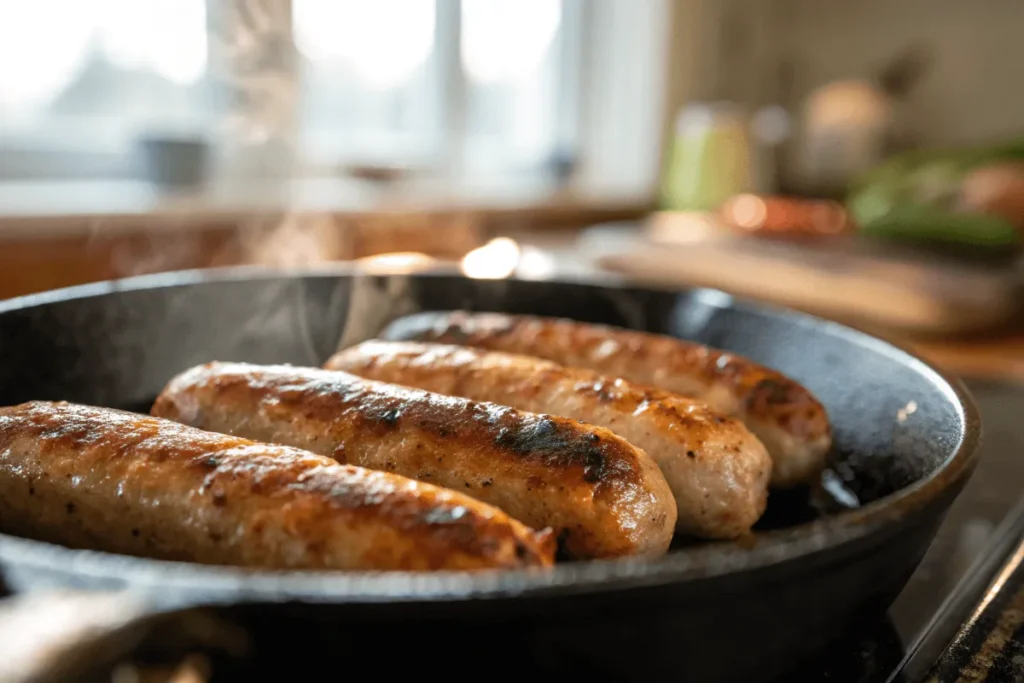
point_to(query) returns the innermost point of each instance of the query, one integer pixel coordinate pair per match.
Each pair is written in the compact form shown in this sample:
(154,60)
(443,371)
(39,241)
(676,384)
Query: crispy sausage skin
(602,496)
(784,416)
(718,471)
(119,482)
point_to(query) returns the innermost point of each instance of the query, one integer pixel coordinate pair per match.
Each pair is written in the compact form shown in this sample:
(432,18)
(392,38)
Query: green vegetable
(912,197)
(928,224)
(908,166)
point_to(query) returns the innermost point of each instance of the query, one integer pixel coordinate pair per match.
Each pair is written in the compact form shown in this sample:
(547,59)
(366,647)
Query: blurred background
(863,161)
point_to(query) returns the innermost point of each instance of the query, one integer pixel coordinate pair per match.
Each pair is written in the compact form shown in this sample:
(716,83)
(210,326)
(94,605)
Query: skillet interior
(904,434)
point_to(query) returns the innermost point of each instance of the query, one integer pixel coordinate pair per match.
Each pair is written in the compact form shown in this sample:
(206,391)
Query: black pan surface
(906,439)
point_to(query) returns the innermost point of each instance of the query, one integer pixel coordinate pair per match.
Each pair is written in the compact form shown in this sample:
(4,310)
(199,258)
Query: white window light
(510,83)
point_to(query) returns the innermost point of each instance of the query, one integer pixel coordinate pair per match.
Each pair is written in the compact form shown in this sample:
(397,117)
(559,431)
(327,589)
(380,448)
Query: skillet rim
(827,539)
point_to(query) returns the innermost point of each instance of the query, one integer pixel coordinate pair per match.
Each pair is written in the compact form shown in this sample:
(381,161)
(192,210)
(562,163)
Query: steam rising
(295,241)
(373,303)
(253,58)
(252,61)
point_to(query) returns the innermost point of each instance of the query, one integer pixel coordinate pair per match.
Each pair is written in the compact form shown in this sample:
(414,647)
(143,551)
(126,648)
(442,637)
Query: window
(515,58)
(372,82)
(491,82)
(86,76)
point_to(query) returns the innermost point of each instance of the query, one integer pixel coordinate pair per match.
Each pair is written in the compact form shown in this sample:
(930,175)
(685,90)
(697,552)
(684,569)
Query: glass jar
(709,158)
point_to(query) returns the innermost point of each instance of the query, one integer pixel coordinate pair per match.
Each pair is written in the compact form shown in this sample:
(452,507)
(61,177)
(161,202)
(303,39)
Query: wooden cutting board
(854,282)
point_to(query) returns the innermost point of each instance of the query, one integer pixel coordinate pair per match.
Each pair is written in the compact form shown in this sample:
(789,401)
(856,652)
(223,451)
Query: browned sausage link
(119,482)
(785,416)
(718,471)
(601,495)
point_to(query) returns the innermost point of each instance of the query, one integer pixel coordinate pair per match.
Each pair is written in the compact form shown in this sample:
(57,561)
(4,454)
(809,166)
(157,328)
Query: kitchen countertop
(43,209)
(77,206)
(998,355)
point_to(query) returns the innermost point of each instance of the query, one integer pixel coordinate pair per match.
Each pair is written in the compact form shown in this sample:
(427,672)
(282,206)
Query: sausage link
(119,482)
(785,416)
(602,496)
(718,471)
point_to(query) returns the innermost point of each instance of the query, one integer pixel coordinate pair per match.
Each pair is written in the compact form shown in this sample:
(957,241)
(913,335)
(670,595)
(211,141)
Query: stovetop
(941,602)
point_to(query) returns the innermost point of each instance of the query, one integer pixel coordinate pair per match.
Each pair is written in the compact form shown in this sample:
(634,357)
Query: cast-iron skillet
(905,442)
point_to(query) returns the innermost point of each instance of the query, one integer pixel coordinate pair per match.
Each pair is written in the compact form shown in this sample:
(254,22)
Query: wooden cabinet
(40,252)
(39,257)
(32,262)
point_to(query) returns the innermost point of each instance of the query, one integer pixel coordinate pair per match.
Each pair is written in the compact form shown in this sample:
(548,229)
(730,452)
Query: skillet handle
(49,635)
(65,635)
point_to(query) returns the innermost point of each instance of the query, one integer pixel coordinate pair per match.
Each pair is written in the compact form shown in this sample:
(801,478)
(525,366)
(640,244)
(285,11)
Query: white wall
(974,89)
(625,53)
(973,92)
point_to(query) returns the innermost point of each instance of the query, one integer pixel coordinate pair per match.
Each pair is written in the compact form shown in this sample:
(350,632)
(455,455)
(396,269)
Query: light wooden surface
(61,234)
(50,250)
(993,353)
(849,280)
(81,206)
(996,357)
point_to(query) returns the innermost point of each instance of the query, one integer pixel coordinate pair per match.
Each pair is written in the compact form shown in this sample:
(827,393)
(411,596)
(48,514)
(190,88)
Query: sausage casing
(119,482)
(717,469)
(785,416)
(602,496)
